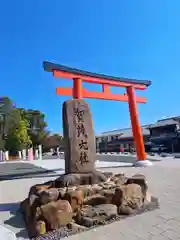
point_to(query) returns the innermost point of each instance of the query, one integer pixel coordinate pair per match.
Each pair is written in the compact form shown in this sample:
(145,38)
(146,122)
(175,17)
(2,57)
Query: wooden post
(137,133)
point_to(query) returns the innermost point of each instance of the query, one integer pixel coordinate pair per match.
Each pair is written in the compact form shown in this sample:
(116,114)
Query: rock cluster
(79,202)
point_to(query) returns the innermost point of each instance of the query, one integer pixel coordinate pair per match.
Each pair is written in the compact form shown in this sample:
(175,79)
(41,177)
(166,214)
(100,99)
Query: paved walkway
(164,182)
(6,234)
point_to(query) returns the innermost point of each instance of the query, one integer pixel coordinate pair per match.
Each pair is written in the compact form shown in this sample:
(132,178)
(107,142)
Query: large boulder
(25,209)
(48,195)
(109,194)
(97,188)
(56,214)
(40,187)
(140,180)
(128,198)
(108,174)
(96,199)
(75,198)
(108,210)
(108,185)
(29,210)
(87,190)
(92,215)
(119,178)
(62,192)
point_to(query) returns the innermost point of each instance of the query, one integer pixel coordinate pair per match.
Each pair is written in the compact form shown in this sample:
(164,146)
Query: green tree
(6,107)
(18,137)
(20,127)
(12,120)
(37,125)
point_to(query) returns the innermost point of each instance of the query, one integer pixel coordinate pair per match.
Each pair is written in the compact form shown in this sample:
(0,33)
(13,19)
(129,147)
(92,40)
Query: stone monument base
(78,202)
(75,179)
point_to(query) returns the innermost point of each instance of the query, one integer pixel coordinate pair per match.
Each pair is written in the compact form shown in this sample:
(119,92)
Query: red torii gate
(78,76)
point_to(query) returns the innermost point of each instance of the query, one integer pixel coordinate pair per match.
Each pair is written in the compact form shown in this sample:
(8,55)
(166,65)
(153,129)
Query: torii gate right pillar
(136,128)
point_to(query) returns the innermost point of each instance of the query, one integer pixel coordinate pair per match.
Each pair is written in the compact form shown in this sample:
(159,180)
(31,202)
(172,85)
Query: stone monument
(79,137)
(80,149)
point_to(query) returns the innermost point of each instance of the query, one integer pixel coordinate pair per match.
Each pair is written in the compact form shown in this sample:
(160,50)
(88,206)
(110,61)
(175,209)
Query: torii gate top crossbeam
(78,76)
(72,73)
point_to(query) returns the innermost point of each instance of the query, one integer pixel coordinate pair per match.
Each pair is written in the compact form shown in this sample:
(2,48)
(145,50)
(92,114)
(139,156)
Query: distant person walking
(132,151)
(121,150)
(159,151)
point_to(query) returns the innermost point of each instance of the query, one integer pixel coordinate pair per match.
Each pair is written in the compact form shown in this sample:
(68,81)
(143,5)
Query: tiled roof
(165,122)
(127,132)
(124,133)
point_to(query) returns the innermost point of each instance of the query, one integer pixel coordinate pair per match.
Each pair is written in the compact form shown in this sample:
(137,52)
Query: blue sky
(127,38)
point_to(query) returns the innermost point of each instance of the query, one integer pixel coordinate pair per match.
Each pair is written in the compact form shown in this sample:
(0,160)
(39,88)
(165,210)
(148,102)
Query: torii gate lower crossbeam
(78,76)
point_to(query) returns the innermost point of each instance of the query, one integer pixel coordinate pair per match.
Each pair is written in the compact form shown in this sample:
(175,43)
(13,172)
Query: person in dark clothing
(159,150)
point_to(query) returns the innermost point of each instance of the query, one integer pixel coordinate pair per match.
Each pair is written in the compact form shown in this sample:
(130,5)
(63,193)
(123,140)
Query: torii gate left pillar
(78,92)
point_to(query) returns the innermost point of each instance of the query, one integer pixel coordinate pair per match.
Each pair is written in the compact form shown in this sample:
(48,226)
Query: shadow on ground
(24,171)
(11,207)
(19,171)
(15,220)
